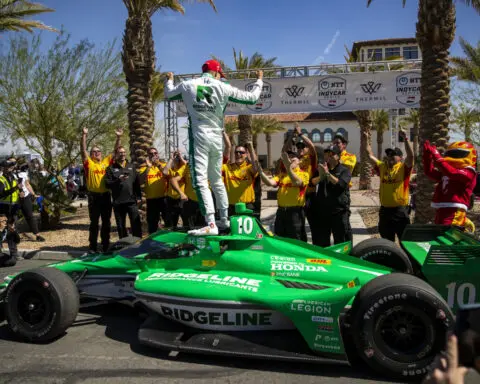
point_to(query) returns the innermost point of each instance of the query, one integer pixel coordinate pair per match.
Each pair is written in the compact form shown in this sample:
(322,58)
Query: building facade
(384,49)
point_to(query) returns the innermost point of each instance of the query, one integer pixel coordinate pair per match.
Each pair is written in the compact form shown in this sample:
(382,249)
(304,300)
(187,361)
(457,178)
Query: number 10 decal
(457,295)
(245,225)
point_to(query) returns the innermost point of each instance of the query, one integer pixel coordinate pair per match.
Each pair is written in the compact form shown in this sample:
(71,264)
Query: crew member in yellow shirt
(292,186)
(175,167)
(155,185)
(191,215)
(308,163)
(99,197)
(347,159)
(394,189)
(239,178)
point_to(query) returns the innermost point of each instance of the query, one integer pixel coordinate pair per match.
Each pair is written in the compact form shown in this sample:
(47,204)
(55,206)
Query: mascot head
(461,154)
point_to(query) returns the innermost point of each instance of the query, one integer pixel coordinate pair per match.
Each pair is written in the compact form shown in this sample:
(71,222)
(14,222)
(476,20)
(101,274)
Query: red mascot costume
(456,177)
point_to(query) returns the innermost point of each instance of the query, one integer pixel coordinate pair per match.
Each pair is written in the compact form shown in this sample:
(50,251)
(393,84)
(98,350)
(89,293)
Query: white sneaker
(224,223)
(209,230)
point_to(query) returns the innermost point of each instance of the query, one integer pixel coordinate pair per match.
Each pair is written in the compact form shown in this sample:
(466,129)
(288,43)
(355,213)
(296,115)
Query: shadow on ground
(122,323)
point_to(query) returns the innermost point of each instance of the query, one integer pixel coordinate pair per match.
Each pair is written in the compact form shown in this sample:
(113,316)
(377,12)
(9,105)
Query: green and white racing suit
(205,99)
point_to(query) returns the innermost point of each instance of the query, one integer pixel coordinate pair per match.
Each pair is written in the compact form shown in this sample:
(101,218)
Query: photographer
(10,189)
(27,197)
(121,178)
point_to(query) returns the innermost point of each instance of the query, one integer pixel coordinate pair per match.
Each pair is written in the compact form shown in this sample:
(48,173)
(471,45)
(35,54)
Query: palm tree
(380,123)
(231,129)
(466,119)
(242,62)
(467,68)
(13,13)
(139,68)
(435,34)
(266,125)
(412,120)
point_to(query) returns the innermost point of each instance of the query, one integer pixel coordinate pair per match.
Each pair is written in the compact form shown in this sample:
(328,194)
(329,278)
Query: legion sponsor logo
(332,92)
(407,88)
(265,100)
(318,307)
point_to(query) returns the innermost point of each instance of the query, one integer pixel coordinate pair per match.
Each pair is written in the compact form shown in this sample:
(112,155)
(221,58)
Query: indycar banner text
(330,93)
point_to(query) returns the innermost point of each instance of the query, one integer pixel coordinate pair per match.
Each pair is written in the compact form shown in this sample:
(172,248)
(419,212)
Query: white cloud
(332,42)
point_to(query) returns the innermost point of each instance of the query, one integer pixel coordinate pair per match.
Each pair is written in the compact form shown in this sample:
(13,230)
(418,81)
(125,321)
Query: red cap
(212,65)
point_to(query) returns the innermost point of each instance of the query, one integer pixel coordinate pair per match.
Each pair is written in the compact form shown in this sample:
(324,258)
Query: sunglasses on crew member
(240,152)
(153,153)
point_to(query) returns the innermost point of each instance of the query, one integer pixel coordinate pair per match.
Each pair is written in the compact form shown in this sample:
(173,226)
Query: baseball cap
(394,152)
(212,65)
(341,137)
(334,149)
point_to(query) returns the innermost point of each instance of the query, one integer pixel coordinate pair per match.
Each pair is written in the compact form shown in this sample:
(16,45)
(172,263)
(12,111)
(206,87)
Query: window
(410,53)
(363,55)
(375,54)
(316,137)
(327,135)
(392,52)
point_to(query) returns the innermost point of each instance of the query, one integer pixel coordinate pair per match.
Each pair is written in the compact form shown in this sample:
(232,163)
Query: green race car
(251,294)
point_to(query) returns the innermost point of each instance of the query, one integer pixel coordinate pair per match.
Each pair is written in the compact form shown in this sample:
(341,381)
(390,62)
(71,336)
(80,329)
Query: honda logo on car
(297,267)
(304,306)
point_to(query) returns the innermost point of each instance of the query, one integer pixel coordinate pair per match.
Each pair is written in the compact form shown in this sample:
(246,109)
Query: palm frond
(13,12)
(475,4)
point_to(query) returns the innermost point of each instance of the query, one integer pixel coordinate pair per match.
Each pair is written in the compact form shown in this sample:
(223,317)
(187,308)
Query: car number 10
(245,225)
(458,295)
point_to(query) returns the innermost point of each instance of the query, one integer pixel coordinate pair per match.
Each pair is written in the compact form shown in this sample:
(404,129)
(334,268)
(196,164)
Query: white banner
(330,93)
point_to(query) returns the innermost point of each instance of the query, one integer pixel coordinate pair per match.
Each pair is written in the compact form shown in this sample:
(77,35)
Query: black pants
(337,224)
(192,215)
(175,208)
(157,208)
(392,221)
(26,205)
(12,238)
(121,211)
(99,205)
(290,222)
(309,213)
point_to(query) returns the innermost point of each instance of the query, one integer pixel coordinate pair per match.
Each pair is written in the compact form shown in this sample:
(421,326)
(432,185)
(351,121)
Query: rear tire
(41,304)
(383,252)
(400,324)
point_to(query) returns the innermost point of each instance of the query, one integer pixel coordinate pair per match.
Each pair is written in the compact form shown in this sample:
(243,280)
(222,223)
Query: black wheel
(2,312)
(123,242)
(41,304)
(383,252)
(400,324)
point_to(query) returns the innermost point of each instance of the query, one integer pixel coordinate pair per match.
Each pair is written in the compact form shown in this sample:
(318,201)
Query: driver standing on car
(206,98)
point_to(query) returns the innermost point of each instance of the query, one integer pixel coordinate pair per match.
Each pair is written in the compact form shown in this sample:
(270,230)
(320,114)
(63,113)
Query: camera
(467,330)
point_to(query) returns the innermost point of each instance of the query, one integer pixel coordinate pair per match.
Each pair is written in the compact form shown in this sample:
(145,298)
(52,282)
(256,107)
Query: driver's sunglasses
(457,153)
(240,152)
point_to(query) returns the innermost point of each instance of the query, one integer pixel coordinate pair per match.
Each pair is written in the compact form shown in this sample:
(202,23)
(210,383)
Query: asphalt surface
(102,347)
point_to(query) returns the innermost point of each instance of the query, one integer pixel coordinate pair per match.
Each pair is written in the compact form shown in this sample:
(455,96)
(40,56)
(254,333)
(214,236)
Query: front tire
(41,304)
(400,324)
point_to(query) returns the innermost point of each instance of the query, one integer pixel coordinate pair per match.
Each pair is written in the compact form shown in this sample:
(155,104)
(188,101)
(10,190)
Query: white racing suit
(206,99)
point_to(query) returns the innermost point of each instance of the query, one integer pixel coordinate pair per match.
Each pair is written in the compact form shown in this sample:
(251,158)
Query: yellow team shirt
(349,160)
(308,163)
(187,179)
(95,173)
(239,180)
(156,183)
(289,195)
(181,183)
(394,184)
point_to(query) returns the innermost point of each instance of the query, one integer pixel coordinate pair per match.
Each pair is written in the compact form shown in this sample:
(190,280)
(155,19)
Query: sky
(296,33)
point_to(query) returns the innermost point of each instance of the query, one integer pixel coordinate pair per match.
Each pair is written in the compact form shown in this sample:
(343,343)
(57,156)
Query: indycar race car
(248,293)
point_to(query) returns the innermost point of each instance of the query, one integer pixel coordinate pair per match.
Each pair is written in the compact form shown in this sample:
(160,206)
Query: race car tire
(383,252)
(41,304)
(2,312)
(399,325)
(123,242)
